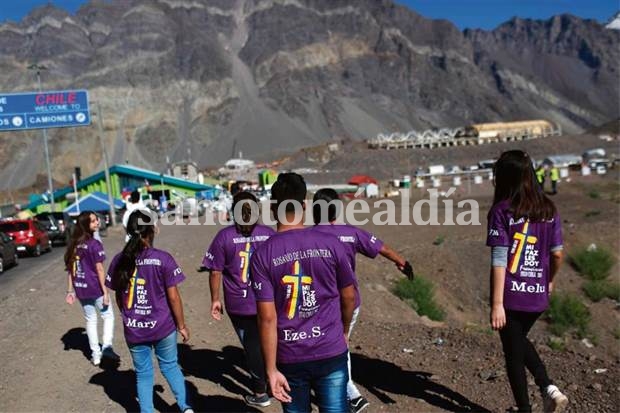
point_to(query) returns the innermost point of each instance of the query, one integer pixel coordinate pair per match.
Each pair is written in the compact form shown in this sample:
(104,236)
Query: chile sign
(57,109)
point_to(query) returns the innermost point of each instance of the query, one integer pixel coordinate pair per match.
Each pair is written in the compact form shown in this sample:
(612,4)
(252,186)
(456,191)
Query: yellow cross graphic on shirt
(132,287)
(520,239)
(245,262)
(295,281)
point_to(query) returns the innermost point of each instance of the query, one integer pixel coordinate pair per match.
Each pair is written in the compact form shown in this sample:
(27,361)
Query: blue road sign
(39,110)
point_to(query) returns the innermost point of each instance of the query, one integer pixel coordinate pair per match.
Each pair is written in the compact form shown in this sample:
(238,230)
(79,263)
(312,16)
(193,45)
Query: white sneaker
(96,359)
(554,401)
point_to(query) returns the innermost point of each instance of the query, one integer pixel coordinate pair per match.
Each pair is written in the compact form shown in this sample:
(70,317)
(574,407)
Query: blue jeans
(166,353)
(328,378)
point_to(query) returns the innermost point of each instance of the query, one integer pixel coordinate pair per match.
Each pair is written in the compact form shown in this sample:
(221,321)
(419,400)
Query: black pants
(246,328)
(519,354)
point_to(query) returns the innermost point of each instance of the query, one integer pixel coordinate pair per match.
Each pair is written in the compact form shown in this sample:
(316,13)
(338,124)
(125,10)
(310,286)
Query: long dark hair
(141,231)
(81,233)
(515,181)
(245,223)
(328,197)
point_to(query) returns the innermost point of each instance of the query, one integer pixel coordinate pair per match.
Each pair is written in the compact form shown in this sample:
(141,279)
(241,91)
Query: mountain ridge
(179,78)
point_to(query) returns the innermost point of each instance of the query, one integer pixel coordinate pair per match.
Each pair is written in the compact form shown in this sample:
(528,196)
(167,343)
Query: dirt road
(402,362)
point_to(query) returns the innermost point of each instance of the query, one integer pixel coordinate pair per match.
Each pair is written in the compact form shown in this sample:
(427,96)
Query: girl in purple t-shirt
(84,263)
(525,234)
(145,280)
(229,256)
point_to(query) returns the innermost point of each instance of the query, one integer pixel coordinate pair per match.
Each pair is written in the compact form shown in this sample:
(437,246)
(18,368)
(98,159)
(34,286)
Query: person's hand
(407,270)
(279,386)
(550,287)
(106,299)
(70,297)
(216,310)
(498,316)
(184,332)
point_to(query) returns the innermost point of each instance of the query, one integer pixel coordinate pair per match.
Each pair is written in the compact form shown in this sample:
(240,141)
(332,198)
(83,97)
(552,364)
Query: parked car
(52,226)
(29,235)
(8,252)
(63,223)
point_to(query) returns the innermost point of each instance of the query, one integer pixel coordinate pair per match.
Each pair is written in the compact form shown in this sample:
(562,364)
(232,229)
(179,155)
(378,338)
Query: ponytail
(141,231)
(244,223)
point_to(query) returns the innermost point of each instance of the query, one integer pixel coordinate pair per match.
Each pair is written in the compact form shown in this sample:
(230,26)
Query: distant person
(305,294)
(355,240)
(541,172)
(554,175)
(145,280)
(229,255)
(84,259)
(135,202)
(525,236)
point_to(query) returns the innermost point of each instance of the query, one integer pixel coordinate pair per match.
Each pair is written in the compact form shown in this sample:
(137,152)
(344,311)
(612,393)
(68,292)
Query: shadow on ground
(76,339)
(382,377)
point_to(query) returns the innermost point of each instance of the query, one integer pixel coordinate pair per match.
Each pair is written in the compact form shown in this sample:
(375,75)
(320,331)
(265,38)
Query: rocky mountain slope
(198,78)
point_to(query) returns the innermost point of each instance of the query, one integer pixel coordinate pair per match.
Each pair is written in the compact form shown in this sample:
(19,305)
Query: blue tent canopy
(96,201)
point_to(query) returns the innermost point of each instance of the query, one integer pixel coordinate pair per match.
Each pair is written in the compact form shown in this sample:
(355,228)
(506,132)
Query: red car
(29,235)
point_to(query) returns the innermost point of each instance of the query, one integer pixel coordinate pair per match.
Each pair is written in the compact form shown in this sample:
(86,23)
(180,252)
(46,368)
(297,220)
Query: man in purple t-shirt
(325,210)
(304,288)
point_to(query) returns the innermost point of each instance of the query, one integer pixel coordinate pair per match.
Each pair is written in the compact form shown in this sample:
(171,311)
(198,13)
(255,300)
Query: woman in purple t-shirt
(145,280)
(84,263)
(525,234)
(228,257)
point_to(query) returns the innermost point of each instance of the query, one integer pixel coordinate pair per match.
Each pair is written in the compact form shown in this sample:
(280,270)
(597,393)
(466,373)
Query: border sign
(41,110)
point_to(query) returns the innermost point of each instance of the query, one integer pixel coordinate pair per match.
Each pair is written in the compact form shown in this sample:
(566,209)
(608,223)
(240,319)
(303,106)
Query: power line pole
(50,186)
(106,167)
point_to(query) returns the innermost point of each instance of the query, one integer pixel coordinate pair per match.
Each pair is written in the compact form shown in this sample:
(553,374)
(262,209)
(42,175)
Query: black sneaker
(358,404)
(257,401)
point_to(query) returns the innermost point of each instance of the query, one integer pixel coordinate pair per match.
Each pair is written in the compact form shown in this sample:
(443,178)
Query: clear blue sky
(485,14)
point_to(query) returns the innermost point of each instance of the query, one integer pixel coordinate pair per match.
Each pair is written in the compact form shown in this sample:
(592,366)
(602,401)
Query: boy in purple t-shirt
(325,211)
(305,295)
(228,257)
(525,235)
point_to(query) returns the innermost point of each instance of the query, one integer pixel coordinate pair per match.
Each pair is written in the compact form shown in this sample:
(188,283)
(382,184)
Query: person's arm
(347,306)
(176,306)
(498,314)
(392,255)
(70,297)
(556,263)
(267,329)
(101,278)
(215,278)
(401,263)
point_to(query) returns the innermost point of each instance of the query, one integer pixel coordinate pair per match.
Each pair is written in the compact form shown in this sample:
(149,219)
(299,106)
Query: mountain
(197,78)
(614,22)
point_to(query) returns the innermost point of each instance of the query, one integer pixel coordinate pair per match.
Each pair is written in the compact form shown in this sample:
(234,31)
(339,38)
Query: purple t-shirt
(302,271)
(355,240)
(144,308)
(84,272)
(230,253)
(526,287)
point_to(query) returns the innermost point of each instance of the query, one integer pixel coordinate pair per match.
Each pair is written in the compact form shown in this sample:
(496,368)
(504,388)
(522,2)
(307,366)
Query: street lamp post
(50,186)
(106,167)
